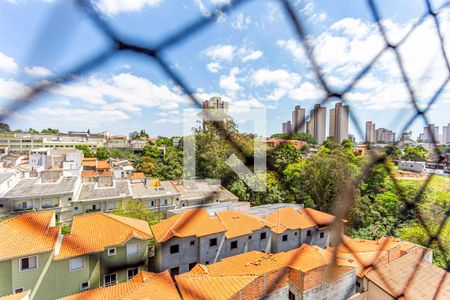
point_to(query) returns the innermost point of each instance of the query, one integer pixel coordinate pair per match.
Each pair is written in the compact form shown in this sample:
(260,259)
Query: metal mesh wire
(120,44)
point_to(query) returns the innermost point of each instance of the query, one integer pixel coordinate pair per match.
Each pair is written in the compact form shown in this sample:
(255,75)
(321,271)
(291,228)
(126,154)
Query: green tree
(50,131)
(87,152)
(171,166)
(31,130)
(102,153)
(147,165)
(283,155)
(4,127)
(151,151)
(137,210)
(393,152)
(414,153)
(302,136)
(161,140)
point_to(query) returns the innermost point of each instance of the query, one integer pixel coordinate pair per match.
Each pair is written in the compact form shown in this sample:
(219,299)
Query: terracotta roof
(88,173)
(96,231)
(137,175)
(305,258)
(89,162)
(239,223)
(103,164)
(197,287)
(393,278)
(194,222)
(29,233)
(249,263)
(289,218)
(18,296)
(145,285)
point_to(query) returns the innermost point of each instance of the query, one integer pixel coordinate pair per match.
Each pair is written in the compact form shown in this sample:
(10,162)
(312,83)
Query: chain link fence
(345,200)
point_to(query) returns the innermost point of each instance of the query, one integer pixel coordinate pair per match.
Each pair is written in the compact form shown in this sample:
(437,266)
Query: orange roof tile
(305,258)
(249,263)
(88,173)
(394,278)
(145,285)
(194,222)
(96,231)
(137,175)
(289,218)
(194,287)
(89,162)
(103,164)
(27,234)
(18,296)
(239,223)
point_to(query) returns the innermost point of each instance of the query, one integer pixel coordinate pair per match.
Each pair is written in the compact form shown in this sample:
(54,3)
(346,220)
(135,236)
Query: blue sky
(250,57)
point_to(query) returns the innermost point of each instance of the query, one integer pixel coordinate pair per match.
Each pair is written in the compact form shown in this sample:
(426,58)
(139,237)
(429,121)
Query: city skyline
(248,59)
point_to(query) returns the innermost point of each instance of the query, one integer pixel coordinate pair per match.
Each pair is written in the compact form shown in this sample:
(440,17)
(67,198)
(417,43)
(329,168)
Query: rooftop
(142,190)
(202,189)
(33,187)
(96,231)
(145,285)
(265,210)
(90,191)
(194,222)
(26,234)
(394,277)
(18,296)
(290,218)
(6,176)
(240,223)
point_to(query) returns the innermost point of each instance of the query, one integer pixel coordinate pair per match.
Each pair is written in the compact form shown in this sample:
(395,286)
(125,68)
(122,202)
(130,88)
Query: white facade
(414,166)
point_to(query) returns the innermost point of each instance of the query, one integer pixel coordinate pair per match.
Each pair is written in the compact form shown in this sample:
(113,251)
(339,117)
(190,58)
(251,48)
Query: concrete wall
(336,290)
(375,293)
(292,242)
(186,255)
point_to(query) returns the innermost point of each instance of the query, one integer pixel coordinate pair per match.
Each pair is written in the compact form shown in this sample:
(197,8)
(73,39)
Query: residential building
(317,123)
(408,277)
(104,194)
(446,134)
(291,228)
(8,178)
(430,133)
(157,195)
(50,191)
(215,109)
(287,127)
(313,276)
(339,122)
(414,166)
(4,150)
(26,250)
(267,209)
(385,136)
(352,138)
(298,120)
(101,250)
(370,132)
(145,285)
(251,275)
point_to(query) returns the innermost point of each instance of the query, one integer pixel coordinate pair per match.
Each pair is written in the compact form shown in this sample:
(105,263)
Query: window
(262,236)
(46,203)
(192,243)
(249,237)
(76,208)
(70,198)
(291,296)
(233,245)
(18,290)
(174,271)
(110,279)
(295,233)
(84,285)
(322,234)
(110,205)
(213,242)
(207,262)
(174,249)
(284,237)
(308,233)
(111,251)
(28,263)
(132,249)
(132,272)
(191,265)
(76,263)
(152,203)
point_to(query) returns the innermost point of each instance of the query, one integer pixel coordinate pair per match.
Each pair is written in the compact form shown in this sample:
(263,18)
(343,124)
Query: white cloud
(294,47)
(307,91)
(38,71)
(113,7)
(239,106)
(254,55)
(11,89)
(241,22)
(214,67)
(7,63)
(220,52)
(284,81)
(132,91)
(229,82)
(203,8)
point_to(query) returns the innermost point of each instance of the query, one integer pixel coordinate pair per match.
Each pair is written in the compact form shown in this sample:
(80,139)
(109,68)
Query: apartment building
(157,195)
(339,122)
(101,250)
(298,120)
(293,227)
(371,136)
(316,125)
(199,192)
(50,191)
